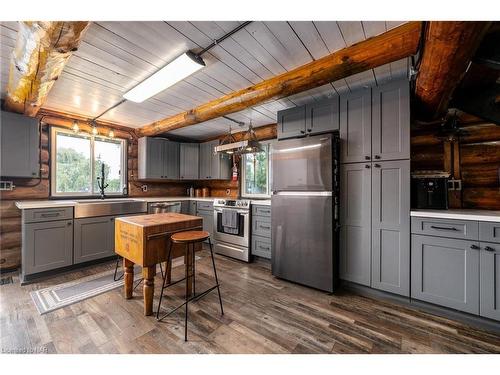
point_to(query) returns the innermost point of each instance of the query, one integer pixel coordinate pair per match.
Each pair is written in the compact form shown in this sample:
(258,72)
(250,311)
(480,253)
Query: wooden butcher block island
(144,240)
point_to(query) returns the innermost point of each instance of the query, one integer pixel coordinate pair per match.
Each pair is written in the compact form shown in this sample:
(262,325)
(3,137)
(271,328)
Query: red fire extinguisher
(235,171)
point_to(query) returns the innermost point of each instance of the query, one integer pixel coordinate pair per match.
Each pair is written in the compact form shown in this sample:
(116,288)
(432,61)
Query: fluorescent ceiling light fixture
(175,71)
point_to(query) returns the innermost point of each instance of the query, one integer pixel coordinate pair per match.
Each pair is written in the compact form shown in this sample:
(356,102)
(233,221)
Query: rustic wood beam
(41,52)
(391,46)
(448,49)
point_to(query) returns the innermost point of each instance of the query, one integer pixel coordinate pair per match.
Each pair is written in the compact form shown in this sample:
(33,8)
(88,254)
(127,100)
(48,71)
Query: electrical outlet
(228,191)
(144,188)
(7,185)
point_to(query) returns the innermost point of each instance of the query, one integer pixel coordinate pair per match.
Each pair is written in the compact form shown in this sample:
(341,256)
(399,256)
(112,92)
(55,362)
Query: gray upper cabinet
(391,226)
(94,238)
(47,246)
(158,158)
(150,158)
(445,271)
(391,121)
(19,149)
(189,161)
(314,118)
(170,160)
(322,116)
(213,166)
(356,126)
(490,280)
(292,122)
(355,221)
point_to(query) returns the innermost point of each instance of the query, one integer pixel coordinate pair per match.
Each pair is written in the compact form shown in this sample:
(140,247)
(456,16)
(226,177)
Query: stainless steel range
(232,228)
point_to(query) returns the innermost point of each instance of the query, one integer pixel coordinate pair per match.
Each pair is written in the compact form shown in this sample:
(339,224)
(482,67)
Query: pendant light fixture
(229,145)
(75,127)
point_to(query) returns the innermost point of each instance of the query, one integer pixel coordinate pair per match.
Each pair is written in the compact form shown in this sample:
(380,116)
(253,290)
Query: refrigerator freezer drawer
(303,239)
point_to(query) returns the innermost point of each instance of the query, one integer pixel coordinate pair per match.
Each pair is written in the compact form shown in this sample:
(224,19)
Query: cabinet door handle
(69,223)
(443,228)
(474,247)
(377,165)
(309,130)
(377,156)
(302,132)
(489,248)
(367,166)
(367,157)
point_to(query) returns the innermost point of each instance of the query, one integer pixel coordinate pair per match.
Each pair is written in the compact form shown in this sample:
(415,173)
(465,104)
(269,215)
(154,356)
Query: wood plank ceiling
(115,56)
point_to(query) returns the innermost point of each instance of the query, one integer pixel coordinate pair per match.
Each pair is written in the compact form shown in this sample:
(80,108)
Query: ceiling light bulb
(75,127)
(175,71)
(229,152)
(94,130)
(111,133)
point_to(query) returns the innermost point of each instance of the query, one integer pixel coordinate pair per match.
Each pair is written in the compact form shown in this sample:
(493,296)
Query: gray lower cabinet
(47,246)
(261,246)
(185,207)
(208,220)
(189,161)
(94,238)
(192,207)
(445,272)
(489,231)
(391,121)
(390,269)
(261,231)
(489,306)
(19,151)
(355,221)
(356,127)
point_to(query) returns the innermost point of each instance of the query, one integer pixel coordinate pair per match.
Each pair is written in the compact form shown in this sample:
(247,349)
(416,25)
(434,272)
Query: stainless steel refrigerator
(304,215)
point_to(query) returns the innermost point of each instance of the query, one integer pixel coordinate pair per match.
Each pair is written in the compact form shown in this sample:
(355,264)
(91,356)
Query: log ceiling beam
(41,52)
(448,48)
(385,48)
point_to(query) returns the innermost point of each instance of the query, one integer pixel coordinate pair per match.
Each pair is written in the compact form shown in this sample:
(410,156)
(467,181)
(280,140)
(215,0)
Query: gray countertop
(459,214)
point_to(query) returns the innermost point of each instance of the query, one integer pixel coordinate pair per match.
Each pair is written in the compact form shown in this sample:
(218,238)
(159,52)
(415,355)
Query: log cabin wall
(474,157)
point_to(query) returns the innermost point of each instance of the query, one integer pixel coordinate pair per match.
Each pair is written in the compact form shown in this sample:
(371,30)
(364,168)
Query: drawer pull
(55,214)
(264,248)
(489,248)
(474,247)
(265,227)
(443,228)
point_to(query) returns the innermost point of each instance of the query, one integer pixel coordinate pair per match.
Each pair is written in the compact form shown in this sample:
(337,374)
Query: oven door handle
(239,212)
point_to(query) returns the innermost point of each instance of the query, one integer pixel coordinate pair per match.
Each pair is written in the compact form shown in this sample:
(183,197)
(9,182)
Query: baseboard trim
(472,320)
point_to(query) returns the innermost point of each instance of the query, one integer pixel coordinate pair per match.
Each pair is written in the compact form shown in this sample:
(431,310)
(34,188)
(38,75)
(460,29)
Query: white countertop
(25,205)
(459,214)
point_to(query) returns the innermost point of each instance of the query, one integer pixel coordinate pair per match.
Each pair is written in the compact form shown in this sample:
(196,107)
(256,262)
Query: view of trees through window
(256,172)
(73,172)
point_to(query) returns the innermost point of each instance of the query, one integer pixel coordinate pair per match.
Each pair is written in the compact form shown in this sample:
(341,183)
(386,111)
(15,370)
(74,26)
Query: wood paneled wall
(474,157)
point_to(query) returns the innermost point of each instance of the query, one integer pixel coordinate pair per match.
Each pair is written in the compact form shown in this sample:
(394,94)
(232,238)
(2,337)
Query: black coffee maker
(429,190)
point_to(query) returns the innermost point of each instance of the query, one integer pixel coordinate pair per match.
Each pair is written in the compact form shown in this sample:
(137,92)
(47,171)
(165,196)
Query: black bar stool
(189,238)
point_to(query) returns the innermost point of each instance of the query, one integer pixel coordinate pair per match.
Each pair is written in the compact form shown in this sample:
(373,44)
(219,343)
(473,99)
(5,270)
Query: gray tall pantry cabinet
(375,187)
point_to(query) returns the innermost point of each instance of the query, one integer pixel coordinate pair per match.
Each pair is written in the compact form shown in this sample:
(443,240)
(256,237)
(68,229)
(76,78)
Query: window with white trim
(77,159)
(256,173)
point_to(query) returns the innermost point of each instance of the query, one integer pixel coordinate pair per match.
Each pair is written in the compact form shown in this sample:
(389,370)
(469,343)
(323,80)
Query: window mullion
(92,169)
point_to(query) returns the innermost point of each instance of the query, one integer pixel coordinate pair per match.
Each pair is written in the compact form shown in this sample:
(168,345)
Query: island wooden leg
(128,269)
(148,273)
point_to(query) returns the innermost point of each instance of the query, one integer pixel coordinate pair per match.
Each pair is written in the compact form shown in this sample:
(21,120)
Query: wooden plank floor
(262,315)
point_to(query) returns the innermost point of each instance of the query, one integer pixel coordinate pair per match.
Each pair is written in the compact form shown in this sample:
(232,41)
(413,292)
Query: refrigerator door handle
(304,193)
